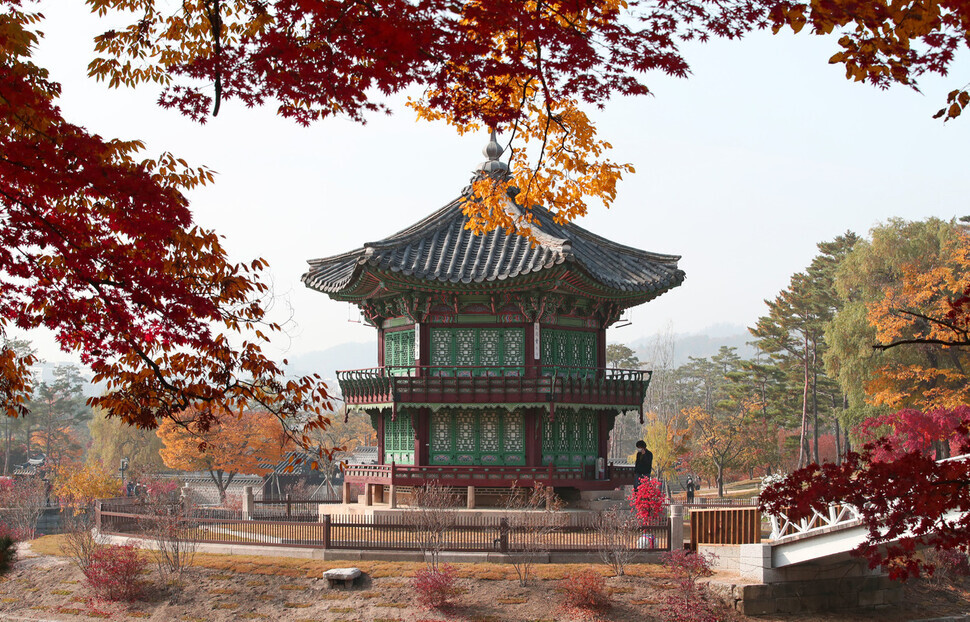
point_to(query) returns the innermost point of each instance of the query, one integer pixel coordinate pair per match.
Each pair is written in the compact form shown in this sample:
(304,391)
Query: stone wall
(810,596)
(838,583)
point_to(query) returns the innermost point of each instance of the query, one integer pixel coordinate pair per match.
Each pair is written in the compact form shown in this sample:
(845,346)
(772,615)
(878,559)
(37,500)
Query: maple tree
(98,245)
(235,444)
(907,500)
(98,242)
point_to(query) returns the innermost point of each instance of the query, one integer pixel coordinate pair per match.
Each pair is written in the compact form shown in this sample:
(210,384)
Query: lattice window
(584,349)
(398,439)
(490,347)
(478,347)
(572,438)
(514,342)
(465,349)
(514,440)
(489,439)
(465,432)
(571,351)
(399,349)
(441,347)
(441,432)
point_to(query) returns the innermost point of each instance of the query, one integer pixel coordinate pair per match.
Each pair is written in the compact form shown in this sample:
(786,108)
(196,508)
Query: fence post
(676,527)
(97,515)
(248,505)
(288,508)
(503,535)
(326,531)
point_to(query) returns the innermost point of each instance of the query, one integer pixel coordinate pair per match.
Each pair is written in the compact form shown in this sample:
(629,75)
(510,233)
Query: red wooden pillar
(531,431)
(531,362)
(600,348)
(605,426)
(380,347)
(420,419)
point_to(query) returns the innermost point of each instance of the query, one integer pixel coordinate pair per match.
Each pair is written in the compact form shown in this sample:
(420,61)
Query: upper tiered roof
(439,249)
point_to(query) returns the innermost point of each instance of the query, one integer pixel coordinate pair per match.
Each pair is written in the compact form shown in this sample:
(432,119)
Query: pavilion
(492,351)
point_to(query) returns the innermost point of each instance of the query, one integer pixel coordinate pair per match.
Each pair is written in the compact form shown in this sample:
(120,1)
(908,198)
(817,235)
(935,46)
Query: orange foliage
(914,313)
(238,443)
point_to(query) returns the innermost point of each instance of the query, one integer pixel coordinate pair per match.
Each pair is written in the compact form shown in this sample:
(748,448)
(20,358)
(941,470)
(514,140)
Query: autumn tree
(57,408)
(98,245)
(98,242)
(348,431)
(112,440)
(891,285)
(16,389)
(668,441)
(236,443)
(908,500)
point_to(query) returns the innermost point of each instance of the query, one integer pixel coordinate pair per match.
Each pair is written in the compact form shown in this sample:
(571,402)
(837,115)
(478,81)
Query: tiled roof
(440,248)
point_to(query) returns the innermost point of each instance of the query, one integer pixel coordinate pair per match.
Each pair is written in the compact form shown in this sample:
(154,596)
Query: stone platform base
(813,596)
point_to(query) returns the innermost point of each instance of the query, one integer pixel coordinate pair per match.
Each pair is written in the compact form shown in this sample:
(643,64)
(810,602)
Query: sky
(764,151)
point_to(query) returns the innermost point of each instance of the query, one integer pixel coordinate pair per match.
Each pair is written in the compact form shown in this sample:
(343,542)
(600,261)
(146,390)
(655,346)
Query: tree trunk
(815,397)
(803,441)
(6,451)
(720,480)
(838,442)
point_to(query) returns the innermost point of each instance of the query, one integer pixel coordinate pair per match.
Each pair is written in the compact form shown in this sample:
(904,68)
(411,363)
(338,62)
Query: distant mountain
(701,345)
(342,356)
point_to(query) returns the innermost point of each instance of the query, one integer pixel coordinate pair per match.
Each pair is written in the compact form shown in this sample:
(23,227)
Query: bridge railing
(838,515)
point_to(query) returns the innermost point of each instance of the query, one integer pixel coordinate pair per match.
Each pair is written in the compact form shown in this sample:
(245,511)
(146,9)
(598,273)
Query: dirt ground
(48,587)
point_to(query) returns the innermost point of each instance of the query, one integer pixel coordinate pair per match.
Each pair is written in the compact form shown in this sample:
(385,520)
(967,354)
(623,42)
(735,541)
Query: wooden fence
(552,532)
(725,526)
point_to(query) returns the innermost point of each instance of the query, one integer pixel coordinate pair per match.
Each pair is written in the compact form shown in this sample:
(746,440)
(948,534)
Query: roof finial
(493,151)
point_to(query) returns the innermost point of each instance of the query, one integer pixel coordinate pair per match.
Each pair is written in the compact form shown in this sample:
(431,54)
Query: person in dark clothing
(690,489)
(643,465)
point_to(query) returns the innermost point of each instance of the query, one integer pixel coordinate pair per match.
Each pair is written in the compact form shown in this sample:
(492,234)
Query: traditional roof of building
(440,248)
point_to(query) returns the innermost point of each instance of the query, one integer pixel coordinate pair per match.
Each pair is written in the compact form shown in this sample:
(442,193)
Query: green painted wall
(477,437)
(571,439)
(568,348)
(398,438)
(399,349)
(500,348)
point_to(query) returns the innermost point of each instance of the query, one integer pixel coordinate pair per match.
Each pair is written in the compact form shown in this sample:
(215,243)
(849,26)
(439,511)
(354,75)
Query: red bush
(435,588)
(952,562)
(585,591)
(114,573)
(648,501)
(689,603)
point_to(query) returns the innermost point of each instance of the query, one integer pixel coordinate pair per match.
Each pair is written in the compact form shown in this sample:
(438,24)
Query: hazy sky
(741,169)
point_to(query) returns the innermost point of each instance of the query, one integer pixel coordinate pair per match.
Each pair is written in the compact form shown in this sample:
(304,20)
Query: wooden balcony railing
(492,476)
(580,385)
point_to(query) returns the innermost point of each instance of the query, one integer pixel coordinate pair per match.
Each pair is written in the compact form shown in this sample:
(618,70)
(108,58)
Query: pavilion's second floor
(622,388)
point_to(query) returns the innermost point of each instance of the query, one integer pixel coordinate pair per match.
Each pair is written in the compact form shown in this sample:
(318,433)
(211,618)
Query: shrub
(648,501)
(114,573)
(22,500)
(8,552)
(585,591)
(435,588)
(948,563)
(689,602)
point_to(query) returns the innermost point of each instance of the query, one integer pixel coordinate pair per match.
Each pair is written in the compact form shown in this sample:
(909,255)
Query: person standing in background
(643,465)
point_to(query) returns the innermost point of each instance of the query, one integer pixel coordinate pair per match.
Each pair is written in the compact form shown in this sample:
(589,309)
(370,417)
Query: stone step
(590,495)
(601,505)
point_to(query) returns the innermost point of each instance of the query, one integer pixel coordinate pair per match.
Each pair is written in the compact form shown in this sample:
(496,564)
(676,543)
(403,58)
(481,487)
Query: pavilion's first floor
(493,446)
